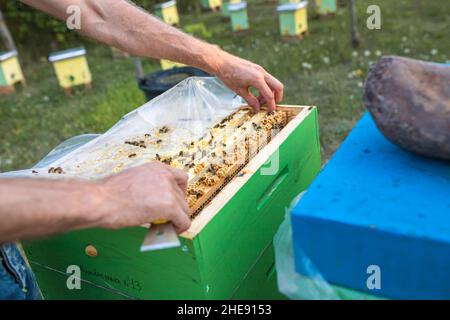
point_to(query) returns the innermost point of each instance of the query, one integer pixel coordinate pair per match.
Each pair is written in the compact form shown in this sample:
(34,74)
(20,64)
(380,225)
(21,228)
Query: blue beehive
(377,205)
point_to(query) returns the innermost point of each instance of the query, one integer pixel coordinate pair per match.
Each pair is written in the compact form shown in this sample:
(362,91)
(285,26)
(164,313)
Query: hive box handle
(270,190)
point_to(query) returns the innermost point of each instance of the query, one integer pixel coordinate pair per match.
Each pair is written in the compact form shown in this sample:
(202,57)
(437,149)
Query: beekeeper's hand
(144,194)
(240,75)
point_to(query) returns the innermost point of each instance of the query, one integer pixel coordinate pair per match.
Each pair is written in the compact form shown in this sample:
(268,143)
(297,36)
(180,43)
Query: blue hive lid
(164,5)
(66,54)
(292,6)
(6,55)
(237,6)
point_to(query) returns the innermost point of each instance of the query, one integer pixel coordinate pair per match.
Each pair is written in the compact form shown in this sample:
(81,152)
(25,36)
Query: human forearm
(124,25)
(32,208)
(143,35)
(121,24)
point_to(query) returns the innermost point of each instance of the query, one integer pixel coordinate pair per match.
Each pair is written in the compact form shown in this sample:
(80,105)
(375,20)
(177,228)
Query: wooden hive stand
(167,12)
(10,72)
(71,69)
(293,20)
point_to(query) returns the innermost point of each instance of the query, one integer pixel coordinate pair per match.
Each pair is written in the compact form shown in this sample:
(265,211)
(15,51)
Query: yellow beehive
(10,71)
(167,12)
(167,64)
(293,19)
(71,68)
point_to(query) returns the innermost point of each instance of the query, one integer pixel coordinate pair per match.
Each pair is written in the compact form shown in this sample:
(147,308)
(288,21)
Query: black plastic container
(159,82)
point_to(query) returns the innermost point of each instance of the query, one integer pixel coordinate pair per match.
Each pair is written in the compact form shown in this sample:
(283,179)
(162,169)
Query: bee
(163,130)
(57,170)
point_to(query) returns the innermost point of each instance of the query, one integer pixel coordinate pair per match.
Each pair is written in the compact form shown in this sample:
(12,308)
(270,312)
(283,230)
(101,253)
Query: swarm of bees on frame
(209,160)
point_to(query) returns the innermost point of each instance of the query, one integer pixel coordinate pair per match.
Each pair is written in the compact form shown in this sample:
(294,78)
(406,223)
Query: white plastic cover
(309,285)
(190,108)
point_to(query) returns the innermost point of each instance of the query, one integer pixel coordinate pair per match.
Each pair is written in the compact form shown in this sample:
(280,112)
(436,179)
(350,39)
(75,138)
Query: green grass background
(321,70)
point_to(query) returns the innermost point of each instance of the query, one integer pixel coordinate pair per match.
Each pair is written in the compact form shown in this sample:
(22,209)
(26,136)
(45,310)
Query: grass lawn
(321,70)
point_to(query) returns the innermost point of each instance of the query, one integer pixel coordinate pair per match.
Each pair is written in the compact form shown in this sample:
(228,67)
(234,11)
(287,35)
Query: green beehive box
(226,252)
(239,18)
(293,19)
(325,7)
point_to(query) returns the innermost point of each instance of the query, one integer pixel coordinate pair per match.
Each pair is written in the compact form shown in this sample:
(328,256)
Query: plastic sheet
(57,153)
(309,283)
(189,109)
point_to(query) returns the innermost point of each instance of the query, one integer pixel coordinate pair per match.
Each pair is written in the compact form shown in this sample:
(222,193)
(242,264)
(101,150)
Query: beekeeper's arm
(123,25)
(32,208)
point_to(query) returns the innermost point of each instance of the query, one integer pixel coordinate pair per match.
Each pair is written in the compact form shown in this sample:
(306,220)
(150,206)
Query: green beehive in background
(325,7)
(211,4)
(167,12)
(239,18)
(225,4)
(293,19)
